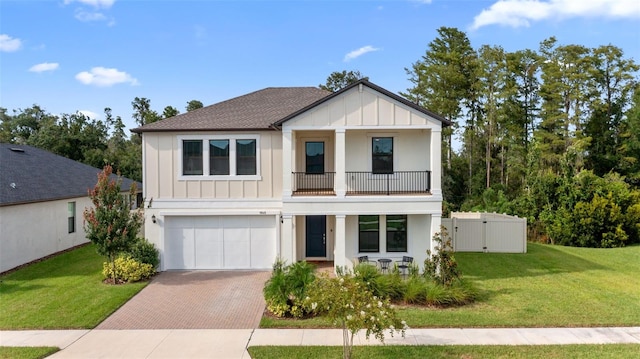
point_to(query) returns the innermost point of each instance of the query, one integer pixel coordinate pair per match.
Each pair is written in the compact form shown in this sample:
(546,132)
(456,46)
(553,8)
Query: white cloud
(359,52)
(104,4)
(92,115)
(517,13)
(45,66)
(86,16)
(104,77)
(9,44)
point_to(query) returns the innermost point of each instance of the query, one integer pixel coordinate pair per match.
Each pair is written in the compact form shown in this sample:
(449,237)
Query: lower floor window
(396,233)
(71,217)
(368,239)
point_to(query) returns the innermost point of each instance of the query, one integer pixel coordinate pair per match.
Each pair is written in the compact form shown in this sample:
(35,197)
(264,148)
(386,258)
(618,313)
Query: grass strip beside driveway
(26,352)
(606,351)
(62,292)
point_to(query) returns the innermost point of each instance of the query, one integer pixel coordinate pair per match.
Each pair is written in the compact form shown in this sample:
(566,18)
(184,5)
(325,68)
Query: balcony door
(314,157)
(316,236)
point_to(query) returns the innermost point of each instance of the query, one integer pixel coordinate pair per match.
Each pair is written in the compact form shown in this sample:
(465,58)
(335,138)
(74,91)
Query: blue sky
(85,55)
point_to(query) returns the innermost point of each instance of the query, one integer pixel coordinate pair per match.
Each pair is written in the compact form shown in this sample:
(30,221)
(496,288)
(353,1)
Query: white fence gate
(486,232)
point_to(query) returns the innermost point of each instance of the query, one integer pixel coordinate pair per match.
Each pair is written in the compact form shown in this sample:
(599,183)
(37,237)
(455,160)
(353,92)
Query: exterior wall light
(153,218)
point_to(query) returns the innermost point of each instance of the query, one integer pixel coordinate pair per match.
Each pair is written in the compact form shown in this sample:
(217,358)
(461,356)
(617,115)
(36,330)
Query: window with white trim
(382,155)
(71,217)
(219,157)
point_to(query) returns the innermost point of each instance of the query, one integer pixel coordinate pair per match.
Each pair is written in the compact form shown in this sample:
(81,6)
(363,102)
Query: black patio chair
(404,264)
(365,259)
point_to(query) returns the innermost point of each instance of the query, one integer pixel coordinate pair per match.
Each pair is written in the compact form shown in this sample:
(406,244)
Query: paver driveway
(195,300)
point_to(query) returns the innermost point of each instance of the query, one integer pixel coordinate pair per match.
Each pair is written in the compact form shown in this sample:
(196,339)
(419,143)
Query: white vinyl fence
(486,232)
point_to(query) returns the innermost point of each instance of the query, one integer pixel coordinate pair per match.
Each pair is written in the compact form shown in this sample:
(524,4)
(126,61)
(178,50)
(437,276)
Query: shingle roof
(29,174)
(254,111)
(263,109)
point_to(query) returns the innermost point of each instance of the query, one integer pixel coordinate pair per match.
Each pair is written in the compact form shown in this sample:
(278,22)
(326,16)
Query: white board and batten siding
(486,232)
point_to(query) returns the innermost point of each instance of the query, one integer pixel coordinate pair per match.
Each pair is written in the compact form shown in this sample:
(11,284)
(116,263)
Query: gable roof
(372,86)
(264,110)
(254,111)
(29,174)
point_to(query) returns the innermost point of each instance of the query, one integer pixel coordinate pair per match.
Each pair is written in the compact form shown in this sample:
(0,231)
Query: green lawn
(62,292)
(26,352)
(550,286)
(608,351)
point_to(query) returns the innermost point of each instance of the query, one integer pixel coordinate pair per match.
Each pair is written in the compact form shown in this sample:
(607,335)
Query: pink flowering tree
(110,224)
(352,307)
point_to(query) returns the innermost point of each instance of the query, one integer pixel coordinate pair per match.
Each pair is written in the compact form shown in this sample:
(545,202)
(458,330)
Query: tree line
(551,134)
(78,137)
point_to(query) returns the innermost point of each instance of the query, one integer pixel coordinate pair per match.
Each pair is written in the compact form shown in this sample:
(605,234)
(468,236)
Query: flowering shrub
(441,266)
(352,306)
(127,269)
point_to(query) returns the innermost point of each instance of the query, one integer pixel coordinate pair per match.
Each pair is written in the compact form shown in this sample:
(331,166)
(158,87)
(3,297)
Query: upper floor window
(382,155)
(314,157)
(191,157)
(219,157)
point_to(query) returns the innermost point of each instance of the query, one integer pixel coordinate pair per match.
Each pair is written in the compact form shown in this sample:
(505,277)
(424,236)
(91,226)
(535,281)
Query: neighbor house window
(369,234)
(71,217)
(192,157)
(396,233)
(314,157)
(219,157)
(382,155)
(246,157)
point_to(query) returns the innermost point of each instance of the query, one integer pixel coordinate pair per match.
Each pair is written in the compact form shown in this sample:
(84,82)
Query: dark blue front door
(316,233)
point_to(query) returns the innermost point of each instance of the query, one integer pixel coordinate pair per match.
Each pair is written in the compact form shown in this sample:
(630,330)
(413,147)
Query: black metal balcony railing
(399,182)
(313,183)
(364,183)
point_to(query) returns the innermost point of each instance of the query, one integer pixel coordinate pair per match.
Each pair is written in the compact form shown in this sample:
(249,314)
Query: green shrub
(390,286)
(285,291)
(414,291)
(368,275)
(127,269)
(144,252)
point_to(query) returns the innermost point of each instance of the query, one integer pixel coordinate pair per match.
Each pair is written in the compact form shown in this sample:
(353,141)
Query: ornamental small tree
(351,306)
(110,224)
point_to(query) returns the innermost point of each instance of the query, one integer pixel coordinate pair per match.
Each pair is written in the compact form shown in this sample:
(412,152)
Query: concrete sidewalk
(232,343)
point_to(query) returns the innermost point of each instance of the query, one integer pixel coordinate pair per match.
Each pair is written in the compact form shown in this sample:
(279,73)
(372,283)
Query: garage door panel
(237,248)
(263,249)
(179,251)
(219,242)
(208,244)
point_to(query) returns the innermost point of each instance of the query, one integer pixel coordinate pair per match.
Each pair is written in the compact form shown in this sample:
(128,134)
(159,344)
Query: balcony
(364,183)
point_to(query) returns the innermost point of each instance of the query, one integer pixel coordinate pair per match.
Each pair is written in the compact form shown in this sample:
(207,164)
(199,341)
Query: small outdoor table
(384,264)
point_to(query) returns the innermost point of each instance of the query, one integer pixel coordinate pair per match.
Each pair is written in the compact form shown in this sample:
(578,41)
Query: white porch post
(287,152)
(339,251)
(287,245)
(436,162)
(340,162)
(436,220)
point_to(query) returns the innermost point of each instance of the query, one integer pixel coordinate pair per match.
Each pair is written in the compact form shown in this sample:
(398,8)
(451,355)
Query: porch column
(287,244)
(436,162)
(287,148)
(436,220)
(339,250)
(340,163)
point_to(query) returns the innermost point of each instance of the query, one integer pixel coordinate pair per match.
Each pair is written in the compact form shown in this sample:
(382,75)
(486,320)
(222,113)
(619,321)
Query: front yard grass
(62,292)
(606,351)
(26,352)
(550,286)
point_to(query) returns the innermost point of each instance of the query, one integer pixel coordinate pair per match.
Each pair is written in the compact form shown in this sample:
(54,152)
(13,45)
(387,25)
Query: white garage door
(220,242)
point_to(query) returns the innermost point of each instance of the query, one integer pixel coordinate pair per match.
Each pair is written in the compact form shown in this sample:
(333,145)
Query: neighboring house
(297,173)
(42,199)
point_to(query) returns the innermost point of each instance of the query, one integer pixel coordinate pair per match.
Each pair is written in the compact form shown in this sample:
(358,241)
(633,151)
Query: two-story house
(298,173)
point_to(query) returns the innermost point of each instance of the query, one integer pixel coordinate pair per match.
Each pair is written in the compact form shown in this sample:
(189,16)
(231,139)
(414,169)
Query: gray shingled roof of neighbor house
(263,110)
(29,174)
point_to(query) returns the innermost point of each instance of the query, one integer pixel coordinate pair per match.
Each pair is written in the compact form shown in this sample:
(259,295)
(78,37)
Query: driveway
(195,300)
